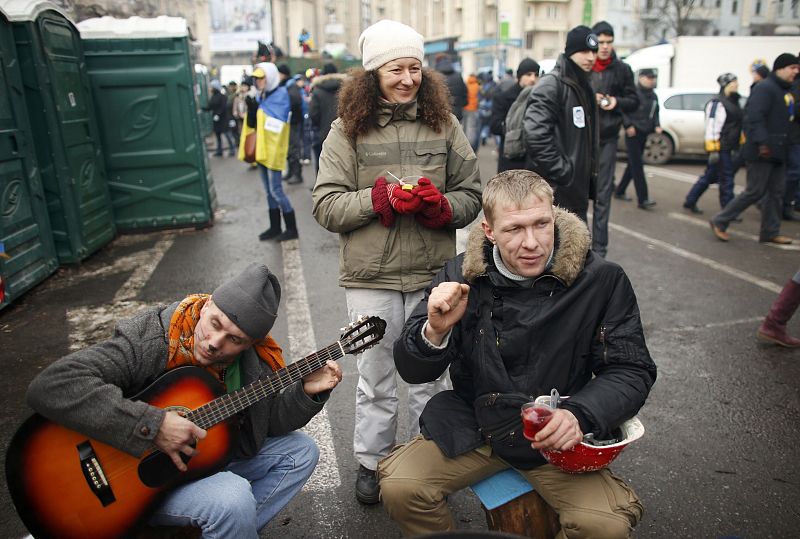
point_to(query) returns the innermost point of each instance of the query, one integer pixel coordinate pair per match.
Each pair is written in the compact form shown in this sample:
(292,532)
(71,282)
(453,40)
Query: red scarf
(601,65)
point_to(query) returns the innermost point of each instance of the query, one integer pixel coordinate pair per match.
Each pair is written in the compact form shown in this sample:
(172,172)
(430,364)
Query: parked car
(682,115)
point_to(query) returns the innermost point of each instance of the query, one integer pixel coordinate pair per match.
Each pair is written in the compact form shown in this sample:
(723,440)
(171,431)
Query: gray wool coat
(88,391)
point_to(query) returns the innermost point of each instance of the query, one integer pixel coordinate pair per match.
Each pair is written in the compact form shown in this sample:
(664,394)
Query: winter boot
(773,328)
(274,229)
(291,228)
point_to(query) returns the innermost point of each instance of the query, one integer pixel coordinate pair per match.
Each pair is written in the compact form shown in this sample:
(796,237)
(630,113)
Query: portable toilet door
(62,117)
(143,82)
(27,255)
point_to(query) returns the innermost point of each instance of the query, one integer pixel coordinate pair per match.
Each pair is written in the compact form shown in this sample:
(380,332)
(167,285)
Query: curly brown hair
(358,101)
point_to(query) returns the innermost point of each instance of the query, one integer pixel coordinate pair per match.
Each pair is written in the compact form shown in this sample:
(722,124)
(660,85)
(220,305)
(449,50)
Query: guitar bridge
(94,475)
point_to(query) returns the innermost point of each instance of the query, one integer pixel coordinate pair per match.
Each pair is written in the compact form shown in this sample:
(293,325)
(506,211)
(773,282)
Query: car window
(675,102)
(696,101)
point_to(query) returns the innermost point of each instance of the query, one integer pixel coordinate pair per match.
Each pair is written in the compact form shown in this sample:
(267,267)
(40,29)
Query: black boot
(291,228)
(274,229)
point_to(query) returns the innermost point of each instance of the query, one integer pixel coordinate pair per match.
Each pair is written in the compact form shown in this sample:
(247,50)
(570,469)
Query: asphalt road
(719,457)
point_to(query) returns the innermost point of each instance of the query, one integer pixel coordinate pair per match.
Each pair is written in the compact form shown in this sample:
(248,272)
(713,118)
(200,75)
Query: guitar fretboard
(230,404)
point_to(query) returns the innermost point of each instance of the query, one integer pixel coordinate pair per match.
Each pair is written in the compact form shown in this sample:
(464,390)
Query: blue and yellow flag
(3,253)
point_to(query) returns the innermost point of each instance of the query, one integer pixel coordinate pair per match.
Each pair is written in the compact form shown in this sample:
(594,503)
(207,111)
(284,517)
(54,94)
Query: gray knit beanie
(250,300)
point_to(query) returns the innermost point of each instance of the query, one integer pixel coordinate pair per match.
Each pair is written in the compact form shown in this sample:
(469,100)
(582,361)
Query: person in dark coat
(561,124)
(218,105)
(791,198)
(225,335)
(527,75)
(643,121)
(615,93)
(295,172)
(324,103)
(724,118)
(456,84)
(525,309)
(769,111)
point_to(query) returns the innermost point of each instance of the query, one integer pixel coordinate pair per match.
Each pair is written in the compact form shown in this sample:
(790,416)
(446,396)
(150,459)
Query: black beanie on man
(784,60)
(527,65)
(603,27)
(580,38)
(250,300)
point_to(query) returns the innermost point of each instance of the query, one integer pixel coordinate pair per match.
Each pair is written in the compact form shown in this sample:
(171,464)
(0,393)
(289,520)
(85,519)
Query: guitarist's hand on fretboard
(177,435)
(323,379)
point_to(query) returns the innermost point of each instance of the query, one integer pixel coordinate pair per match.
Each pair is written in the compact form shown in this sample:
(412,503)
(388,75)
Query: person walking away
(526,308)
(485,103)
(294,174)
(561,131)
(324,104)
(724,117)
(232,94)
(527,74)
(643,121)
(218,105)
(615,93)
(227,335)
(268,116)
(769,111)
(458,90)
(773,328)
(394,123)
(471,120)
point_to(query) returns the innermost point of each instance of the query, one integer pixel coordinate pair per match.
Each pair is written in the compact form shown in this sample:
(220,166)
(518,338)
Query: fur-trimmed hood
(330,82)
(572,246)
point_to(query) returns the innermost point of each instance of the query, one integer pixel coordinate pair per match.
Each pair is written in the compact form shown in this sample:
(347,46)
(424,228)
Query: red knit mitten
(436,211)
(403,201)
(381,204)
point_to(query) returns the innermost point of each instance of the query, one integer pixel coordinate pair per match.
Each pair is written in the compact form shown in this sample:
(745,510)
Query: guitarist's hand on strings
(323,379)
(175,436)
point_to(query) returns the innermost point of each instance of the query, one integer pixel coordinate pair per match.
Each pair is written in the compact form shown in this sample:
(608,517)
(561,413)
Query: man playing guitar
(227,335)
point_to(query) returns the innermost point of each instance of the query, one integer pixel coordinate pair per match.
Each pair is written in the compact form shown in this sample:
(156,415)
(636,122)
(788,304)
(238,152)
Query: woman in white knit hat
(397,177)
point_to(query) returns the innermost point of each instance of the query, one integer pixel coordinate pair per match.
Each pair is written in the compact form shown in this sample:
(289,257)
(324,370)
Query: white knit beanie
(388,40)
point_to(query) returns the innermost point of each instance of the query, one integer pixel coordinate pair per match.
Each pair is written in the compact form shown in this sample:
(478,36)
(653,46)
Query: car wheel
(658,149)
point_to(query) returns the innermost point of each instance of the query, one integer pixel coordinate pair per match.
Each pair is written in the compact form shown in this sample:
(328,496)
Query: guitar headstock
(362,334)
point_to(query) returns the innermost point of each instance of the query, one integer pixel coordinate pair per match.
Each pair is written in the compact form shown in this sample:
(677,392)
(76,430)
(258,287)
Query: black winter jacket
(732,128)
(577,330)
(646,116)
(295,100)
(561,152)
(324,103)
(615,80)
(456,85)
(218,105)
(794,127)
(767,120)
(501,103)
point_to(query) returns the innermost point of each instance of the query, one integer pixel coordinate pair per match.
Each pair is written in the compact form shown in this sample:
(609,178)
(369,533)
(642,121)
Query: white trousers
(375,431)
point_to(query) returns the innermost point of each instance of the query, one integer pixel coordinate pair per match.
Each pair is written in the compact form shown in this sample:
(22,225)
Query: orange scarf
(181,338)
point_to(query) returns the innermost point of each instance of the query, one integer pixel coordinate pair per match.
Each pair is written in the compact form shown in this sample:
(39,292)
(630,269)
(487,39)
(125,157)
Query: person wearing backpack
(527,75)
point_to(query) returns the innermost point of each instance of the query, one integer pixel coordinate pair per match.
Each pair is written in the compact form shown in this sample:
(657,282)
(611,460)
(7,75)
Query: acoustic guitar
(68,486)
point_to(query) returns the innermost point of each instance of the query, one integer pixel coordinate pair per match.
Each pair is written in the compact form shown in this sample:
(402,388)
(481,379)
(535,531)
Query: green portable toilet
(28,252)
(64,128)
(201,91)
(142,77)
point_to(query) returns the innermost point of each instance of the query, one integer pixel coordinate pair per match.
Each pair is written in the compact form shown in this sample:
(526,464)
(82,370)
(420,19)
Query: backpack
(514,145)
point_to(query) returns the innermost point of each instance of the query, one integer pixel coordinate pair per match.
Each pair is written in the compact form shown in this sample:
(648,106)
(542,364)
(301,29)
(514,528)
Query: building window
(530,11)
(552,12)
(718,4)
(528,40)
(734,7)
(758,7)
(649,5)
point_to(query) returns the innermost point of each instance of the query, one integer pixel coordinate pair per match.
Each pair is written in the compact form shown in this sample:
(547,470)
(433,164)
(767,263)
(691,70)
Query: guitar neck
(230,404)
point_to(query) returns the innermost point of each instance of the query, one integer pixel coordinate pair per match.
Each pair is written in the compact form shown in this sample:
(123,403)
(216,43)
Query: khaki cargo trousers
(416,478)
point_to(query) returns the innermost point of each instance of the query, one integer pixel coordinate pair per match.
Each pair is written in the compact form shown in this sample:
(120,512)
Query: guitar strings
(221,408)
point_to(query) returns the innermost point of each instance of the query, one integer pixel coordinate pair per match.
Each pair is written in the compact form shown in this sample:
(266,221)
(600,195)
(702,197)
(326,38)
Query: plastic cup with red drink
(535,416)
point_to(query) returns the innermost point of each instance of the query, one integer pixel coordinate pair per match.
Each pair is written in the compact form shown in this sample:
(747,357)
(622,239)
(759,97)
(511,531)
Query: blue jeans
(722,173)
(276,198)
(241,499)
(231,142)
